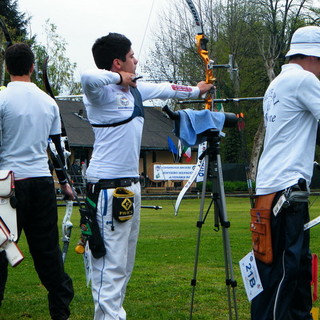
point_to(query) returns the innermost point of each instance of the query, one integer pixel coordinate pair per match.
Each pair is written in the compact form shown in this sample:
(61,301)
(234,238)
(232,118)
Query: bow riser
(203,52)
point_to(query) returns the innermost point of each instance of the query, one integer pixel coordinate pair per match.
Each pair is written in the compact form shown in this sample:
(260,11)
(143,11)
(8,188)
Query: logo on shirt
(270,101)
(176,87)
(124,101)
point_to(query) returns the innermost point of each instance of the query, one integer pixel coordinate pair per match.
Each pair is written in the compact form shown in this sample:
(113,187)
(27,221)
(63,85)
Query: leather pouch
(260,227)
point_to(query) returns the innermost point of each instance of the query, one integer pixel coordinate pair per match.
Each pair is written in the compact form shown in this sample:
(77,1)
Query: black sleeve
(318,135)
(58,160)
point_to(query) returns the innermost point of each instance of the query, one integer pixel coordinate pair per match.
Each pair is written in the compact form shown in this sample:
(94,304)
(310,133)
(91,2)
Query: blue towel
(193,122)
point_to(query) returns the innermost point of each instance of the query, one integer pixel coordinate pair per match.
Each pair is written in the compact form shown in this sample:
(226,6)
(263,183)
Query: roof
(78,129)
(157,126)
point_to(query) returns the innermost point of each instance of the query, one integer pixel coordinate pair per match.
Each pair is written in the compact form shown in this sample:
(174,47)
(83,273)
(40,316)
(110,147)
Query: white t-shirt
(27,117)
(291,109)
(116,150)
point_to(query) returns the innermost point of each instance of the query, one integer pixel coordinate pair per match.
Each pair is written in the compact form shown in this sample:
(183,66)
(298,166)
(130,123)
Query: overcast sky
(81,22)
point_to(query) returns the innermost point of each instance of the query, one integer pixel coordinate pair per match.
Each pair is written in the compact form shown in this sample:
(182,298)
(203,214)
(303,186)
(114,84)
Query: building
(154,148)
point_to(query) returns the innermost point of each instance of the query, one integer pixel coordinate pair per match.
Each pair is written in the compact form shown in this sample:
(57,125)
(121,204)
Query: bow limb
(188,184)
(66,229)
(49,91)
(8,44)
(201,43)
(46,82)
(66,223)
(6,33)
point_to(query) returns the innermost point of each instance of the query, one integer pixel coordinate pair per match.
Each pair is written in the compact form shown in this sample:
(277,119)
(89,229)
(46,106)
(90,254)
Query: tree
(170,55)
(235,38)
(60,70)
(16,24)
(256,33)
(277,21)
(15,20)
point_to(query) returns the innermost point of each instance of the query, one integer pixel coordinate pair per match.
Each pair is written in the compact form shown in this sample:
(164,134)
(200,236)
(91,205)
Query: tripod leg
(199,226)
(220,210)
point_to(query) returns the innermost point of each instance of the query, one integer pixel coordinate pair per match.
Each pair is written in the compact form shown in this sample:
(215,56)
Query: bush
(229,186)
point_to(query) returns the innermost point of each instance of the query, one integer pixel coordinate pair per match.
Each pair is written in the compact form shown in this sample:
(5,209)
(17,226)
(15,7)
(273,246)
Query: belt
(114,183)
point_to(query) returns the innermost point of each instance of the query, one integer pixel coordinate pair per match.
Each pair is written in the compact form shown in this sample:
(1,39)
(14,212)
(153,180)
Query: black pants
(37,216)
(3,274)
(286,282)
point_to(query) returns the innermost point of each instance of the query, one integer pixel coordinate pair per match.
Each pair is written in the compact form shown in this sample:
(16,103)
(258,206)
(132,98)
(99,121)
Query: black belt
(112,183)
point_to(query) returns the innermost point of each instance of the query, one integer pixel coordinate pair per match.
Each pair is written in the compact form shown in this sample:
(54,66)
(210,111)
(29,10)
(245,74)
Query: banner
(172,171)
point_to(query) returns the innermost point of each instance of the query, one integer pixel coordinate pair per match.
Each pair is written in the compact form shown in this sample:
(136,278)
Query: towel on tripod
(192,123)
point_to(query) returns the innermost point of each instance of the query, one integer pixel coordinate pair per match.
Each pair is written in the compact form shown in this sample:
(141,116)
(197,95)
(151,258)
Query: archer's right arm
(94,81)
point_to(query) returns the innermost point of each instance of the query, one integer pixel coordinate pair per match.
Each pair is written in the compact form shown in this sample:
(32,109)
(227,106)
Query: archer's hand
(204,87)
(128,79)
(67,191)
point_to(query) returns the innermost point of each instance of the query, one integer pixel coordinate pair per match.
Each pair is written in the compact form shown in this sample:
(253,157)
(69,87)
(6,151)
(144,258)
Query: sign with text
(250,276)
(173,171)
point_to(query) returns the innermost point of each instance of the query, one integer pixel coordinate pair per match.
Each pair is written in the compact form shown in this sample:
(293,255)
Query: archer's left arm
(167,91)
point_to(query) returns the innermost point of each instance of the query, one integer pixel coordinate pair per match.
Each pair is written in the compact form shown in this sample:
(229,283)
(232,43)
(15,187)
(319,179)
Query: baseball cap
(306,41)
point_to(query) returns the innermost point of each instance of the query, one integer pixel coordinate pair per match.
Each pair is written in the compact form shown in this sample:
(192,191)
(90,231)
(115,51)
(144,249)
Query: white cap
(306,41)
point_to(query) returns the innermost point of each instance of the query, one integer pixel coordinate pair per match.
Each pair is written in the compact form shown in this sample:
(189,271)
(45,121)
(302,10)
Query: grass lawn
(160,285)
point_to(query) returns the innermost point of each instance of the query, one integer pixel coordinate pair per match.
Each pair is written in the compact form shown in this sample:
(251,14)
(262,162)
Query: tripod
(213,170)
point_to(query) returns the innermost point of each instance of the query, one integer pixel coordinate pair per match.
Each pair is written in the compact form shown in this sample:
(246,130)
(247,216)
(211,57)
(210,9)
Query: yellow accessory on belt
(122,205)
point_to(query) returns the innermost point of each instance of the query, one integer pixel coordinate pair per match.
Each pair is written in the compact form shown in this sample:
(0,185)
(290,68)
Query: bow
(46,82)
(66,223)
(6,33)
(8,44)
(201,43)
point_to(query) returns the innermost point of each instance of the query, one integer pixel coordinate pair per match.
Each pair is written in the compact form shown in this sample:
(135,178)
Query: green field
(160,285)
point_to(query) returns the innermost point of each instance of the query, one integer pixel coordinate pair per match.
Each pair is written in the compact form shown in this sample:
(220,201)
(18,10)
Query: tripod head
(192,127)
(230,121)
